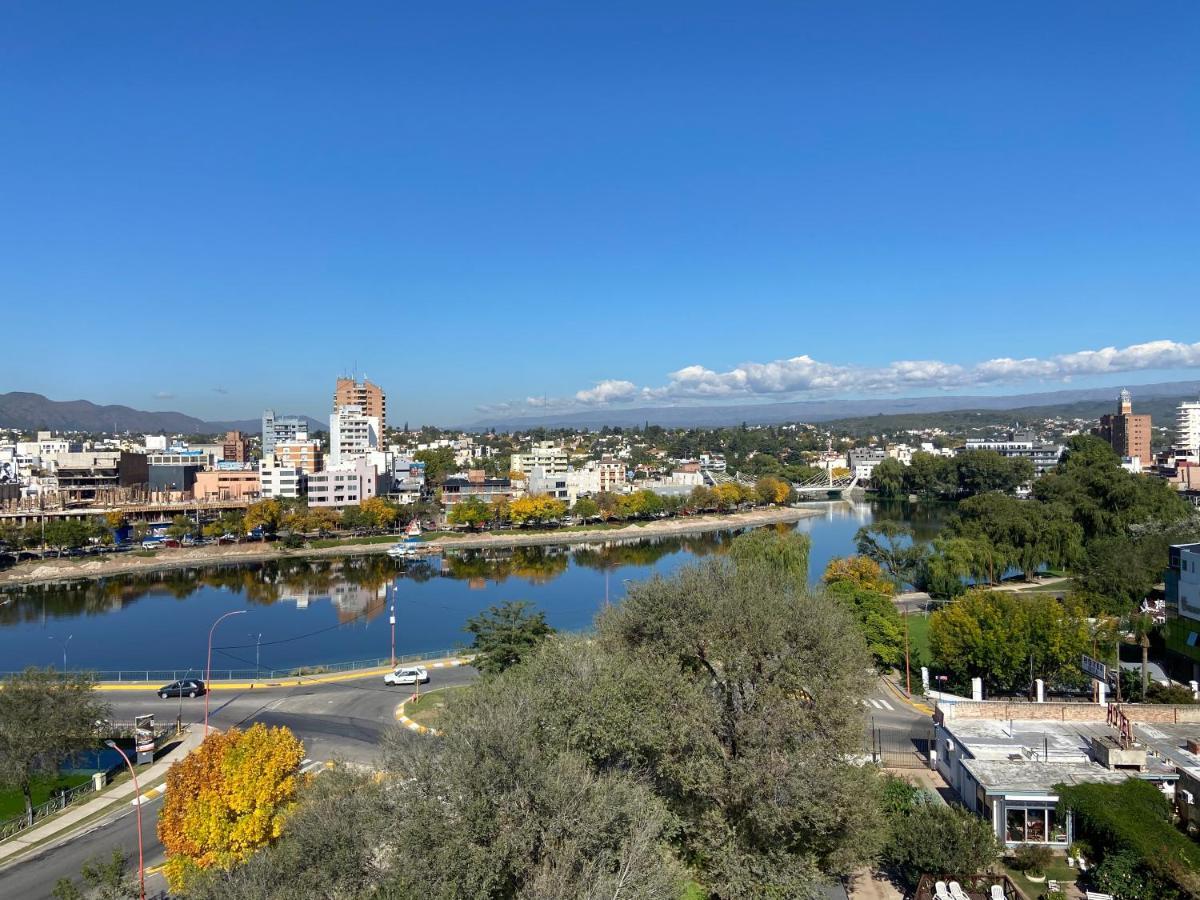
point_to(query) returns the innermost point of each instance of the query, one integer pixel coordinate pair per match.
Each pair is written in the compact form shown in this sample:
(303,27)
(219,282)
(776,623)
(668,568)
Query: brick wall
(1065,712)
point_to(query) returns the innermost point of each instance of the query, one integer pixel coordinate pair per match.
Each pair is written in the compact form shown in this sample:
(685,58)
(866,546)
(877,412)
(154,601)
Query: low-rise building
(347,484)
(84,477)
(1182,595)
(281,482)
(227,484)
(862,461)
(546,455)
(1044,455)
(458,488)
(539,481)
(1007,769)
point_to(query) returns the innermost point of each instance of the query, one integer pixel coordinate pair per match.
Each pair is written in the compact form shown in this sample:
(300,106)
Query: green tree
(66,534)
(181,527)
(504,634)
(439,463)
(472,512)
(585,509)
(888,478)
(45,716)
(891,545)
(784,552)
(936,837)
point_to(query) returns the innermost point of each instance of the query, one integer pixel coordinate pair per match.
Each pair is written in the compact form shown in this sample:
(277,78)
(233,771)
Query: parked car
(187,687)
(152,543)
(407,675)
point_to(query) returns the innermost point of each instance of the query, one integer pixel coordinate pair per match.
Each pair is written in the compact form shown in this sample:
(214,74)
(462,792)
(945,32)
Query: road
(343,721)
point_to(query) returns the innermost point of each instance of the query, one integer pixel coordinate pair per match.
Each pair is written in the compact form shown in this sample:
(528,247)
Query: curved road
(341,721)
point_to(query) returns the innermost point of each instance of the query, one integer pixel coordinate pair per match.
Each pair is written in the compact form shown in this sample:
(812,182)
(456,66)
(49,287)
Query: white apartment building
(1187,428)
(539,481)
(347,484)
(863,460)
(277,482)
(551,458)
(352,435)
(1042,454)
(154,442)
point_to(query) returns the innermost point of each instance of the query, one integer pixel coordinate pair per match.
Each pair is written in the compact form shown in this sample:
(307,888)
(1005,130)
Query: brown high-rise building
(364,394)
(1127,434)
(236,448)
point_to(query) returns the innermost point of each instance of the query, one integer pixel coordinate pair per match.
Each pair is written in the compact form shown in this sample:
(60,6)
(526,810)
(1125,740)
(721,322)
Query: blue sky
(220,207)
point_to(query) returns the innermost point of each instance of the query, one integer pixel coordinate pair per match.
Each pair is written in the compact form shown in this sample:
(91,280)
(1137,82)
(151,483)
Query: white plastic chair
(956,891)
(997,892)
(940,892)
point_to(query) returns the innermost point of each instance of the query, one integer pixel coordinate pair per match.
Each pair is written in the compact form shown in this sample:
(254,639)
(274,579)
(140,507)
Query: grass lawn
(1058,870)
(918,636)
(428,709)
(366,539)
(12,803)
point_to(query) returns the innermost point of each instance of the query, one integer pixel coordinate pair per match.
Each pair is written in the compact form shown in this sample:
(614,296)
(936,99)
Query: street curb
(904,698)
(293,682)
(408,723)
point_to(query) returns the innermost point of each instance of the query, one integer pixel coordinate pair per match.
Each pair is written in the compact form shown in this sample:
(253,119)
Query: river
(309,612)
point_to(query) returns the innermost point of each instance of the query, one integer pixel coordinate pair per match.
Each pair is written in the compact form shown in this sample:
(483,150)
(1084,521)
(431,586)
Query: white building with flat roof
(352,435)
(347,484)
(278,482)
(546,455)
(1187,428)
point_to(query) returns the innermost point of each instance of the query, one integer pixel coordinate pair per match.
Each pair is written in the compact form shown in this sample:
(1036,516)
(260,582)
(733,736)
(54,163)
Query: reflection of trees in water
(264,583)
(925,518)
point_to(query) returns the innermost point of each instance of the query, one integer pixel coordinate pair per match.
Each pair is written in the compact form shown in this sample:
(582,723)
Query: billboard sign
(1094,667)
(143,732)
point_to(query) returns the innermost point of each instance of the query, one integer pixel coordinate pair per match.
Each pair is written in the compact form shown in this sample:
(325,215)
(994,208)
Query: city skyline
(678,204)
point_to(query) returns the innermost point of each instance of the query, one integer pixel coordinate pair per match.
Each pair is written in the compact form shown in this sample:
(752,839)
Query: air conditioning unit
(1187,797)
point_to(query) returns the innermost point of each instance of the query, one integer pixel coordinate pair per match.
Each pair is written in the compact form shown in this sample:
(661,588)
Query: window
(1035,825)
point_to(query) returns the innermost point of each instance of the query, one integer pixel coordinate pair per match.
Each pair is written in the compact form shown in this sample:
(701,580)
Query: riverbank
(70,569)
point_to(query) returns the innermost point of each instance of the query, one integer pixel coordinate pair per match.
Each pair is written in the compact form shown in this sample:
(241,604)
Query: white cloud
(805,376)
(164,395)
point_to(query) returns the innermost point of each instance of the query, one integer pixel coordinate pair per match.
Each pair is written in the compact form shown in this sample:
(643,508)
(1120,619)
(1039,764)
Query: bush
(934,837)
(1032,859)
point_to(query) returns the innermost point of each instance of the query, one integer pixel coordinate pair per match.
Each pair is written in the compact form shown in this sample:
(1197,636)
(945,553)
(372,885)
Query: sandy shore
(45,571)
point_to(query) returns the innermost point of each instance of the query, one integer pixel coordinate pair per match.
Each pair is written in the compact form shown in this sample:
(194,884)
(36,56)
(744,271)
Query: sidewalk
(73,816)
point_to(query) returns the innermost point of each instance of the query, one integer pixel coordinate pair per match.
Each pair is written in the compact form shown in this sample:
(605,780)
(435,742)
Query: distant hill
(33,412)
(1104,398)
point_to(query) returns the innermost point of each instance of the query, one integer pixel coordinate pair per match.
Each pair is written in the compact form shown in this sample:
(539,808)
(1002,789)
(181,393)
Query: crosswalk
(879,703)
(314,766)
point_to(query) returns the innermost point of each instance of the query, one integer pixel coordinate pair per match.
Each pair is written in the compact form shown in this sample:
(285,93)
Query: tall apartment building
(303,455)
(546,455)
(236,447)
(1126,433)
(281,428)
(1187,428)
(366,396)
(352,435)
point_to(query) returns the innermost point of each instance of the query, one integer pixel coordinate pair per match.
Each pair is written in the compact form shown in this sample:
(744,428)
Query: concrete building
(366,396)
(353,435)
(1182,629)
(154,442)
(1187,428)
(862,461)
(281,428)
(84,477)
(236,447)
(298,454)
(457,489)
(546,455)
(346,484)
(1006,769)
(175,470)
(226,484)
(539,481)
(1126,433)
(281,482)
(1023,445)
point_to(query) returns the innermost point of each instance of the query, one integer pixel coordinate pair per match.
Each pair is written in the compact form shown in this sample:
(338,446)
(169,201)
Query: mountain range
(33,412)
(828,410)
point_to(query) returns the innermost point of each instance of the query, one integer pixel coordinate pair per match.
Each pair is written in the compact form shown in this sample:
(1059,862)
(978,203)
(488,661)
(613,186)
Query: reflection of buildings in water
(351,601)
(476,584)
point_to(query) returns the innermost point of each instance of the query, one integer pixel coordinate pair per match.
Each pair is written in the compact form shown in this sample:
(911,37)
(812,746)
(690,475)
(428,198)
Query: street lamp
(64,648)
(208,666)
(257,643)
(137,793)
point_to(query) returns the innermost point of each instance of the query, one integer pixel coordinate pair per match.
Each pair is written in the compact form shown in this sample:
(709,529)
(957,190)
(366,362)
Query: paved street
(341,721)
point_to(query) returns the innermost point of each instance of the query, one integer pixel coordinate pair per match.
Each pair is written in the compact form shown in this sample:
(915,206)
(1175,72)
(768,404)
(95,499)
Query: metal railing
(165,676)
(15,826)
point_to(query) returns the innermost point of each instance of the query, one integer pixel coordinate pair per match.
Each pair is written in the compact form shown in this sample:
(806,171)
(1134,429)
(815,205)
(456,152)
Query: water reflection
(336,609)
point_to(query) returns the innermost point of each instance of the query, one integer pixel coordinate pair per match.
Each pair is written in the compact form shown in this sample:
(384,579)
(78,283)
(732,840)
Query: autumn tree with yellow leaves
(535,509)
(227,800)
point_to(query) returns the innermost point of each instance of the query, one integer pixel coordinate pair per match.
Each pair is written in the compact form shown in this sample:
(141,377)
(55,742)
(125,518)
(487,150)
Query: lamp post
(208,666)
(64,649)
(257,645)
(392,621)
(137,792)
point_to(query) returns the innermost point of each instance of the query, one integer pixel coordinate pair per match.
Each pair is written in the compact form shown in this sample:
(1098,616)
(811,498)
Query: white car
(407,675)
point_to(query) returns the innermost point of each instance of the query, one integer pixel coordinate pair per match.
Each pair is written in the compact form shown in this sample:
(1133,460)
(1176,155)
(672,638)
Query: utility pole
(907,668)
